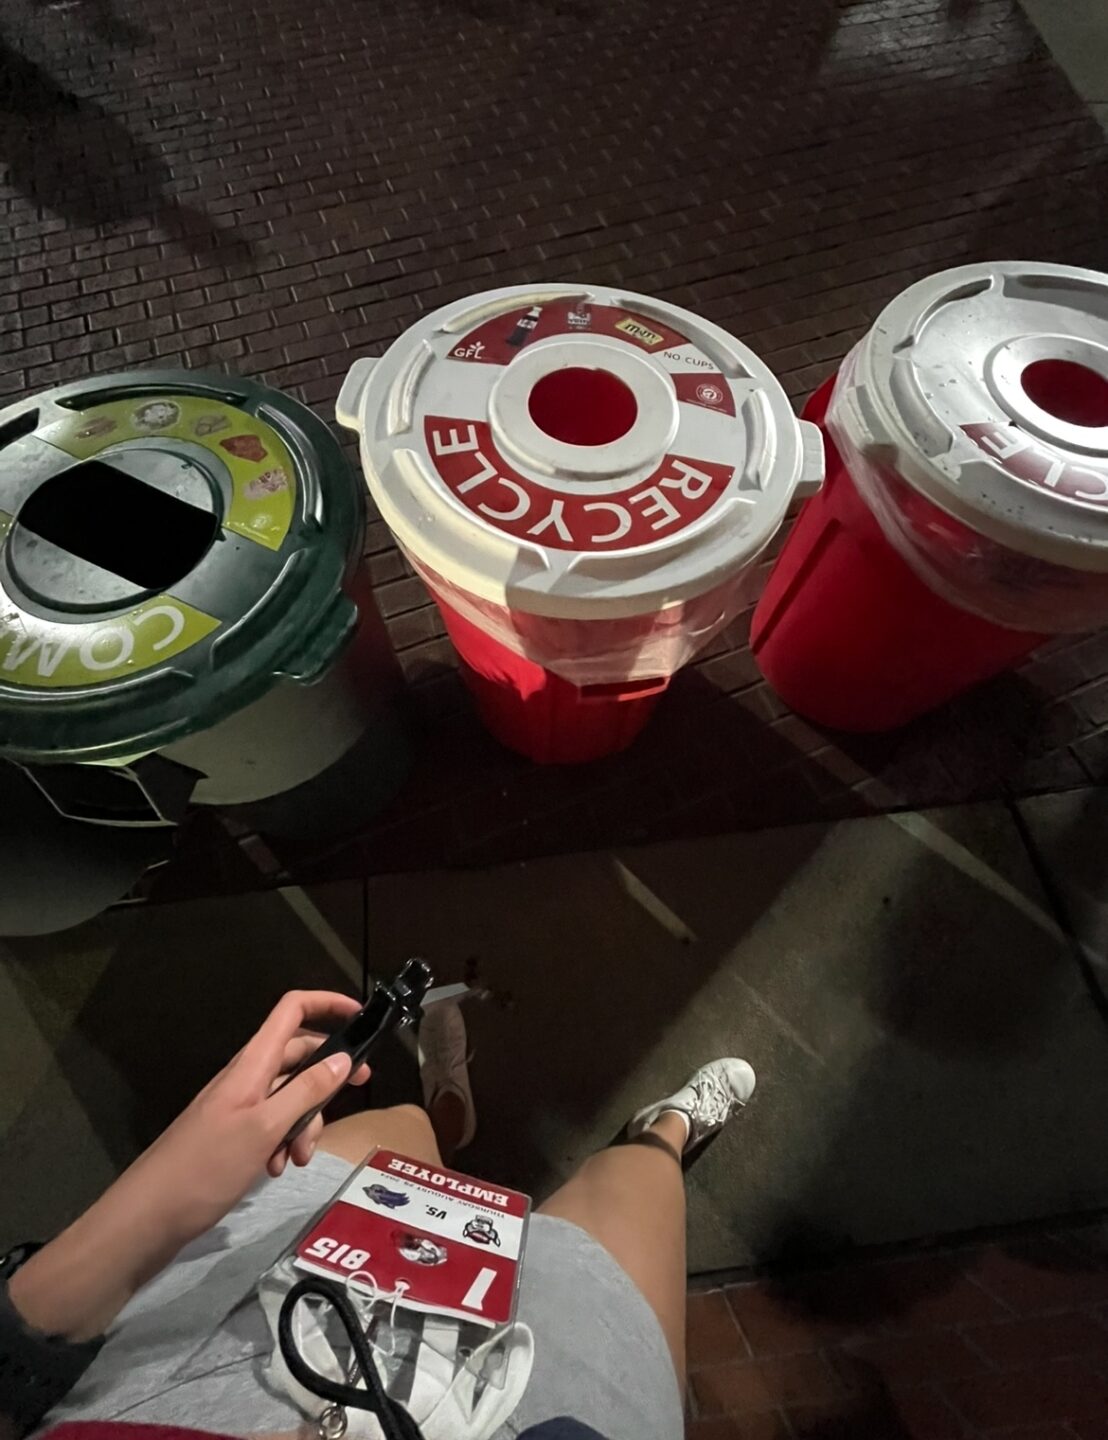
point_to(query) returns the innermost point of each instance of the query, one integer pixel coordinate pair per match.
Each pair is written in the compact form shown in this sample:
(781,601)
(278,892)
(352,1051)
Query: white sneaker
(443,1068)
(707,1101)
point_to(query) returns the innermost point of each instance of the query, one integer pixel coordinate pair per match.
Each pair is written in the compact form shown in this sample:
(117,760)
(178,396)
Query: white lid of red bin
(577,451)
(986,386)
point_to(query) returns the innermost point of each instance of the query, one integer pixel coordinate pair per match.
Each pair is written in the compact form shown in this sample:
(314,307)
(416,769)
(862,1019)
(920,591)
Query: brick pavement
(1004,1340)
(277,187)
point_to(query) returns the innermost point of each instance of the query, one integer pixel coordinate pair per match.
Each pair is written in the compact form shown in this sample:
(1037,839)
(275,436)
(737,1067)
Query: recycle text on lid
(680,492)
(577,452)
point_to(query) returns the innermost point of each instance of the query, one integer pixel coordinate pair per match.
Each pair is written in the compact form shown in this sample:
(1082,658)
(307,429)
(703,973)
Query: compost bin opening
(1068,391)
(580,406)
(108,518)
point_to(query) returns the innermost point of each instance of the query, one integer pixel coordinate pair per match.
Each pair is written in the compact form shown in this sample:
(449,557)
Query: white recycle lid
(669,456)
(986,388)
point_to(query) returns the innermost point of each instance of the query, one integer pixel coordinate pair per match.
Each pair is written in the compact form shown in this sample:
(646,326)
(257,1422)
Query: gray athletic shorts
(190,1349)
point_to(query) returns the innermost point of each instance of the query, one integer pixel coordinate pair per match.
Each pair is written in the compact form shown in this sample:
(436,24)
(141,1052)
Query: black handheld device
(391,1005)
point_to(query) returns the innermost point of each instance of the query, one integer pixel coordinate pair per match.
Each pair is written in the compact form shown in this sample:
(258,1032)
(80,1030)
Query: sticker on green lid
(47,655)
(262,470)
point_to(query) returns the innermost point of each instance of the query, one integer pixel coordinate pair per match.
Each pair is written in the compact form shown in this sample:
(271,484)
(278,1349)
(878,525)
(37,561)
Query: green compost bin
(185,617)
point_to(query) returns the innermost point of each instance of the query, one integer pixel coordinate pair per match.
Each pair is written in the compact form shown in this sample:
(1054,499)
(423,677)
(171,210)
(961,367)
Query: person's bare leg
(405,1128)
(632,1200)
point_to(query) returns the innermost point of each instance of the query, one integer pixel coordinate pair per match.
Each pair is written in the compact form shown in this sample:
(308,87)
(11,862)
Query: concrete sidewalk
(930,1059)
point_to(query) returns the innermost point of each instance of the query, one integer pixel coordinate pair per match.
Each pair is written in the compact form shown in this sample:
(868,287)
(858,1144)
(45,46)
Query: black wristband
(36,1370)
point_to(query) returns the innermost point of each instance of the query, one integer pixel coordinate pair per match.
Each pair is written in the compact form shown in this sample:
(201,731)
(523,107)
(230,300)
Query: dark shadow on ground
(1035,1266)
(707,763)
(870,1412)
(703,765)
(69,155)
(100,17)
(1003,737)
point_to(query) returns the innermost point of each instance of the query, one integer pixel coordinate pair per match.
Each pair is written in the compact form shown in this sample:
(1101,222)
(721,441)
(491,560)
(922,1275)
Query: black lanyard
(395,1421)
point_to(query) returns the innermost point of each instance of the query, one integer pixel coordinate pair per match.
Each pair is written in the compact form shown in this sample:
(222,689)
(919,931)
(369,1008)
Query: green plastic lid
(171,544)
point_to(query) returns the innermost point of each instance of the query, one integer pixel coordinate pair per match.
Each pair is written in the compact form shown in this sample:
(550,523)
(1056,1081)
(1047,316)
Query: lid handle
(812,463)
(625,689)
(349,403)
(326,639)
(853,413)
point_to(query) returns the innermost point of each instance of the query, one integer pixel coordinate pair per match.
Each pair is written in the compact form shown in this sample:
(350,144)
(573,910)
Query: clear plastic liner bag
(978,574)
(458,1380)
(608,651)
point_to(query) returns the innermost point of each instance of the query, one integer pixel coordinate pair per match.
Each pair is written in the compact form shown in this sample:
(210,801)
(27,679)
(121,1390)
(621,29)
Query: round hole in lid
(100,514)
(582,406)
(1068,391)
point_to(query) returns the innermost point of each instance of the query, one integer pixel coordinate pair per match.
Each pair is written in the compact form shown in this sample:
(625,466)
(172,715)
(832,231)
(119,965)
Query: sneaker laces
(714,1099)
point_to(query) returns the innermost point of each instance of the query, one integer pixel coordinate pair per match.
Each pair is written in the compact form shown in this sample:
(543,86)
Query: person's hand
(194,1173)
(233,1131)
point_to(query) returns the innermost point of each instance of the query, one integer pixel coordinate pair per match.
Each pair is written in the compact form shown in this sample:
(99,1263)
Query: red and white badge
(437,1240)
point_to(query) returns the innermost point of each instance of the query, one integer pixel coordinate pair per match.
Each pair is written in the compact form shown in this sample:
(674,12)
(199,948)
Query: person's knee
(408,1128)
(400,1127)
(413,1118)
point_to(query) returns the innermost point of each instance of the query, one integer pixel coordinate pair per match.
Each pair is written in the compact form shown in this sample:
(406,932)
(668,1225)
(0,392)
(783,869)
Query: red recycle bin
(965,515)
(584,479)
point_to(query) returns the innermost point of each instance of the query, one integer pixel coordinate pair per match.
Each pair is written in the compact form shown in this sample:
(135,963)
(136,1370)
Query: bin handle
(323,644)
(812,464)
(159,789)
(625,689)
(349,403)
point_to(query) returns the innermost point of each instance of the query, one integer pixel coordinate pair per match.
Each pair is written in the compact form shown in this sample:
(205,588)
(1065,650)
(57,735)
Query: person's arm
(187,1181)
(75,1286)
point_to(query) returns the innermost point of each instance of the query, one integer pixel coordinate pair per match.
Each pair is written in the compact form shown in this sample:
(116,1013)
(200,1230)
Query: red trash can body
(964,519)
(848,634)
(532,710)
